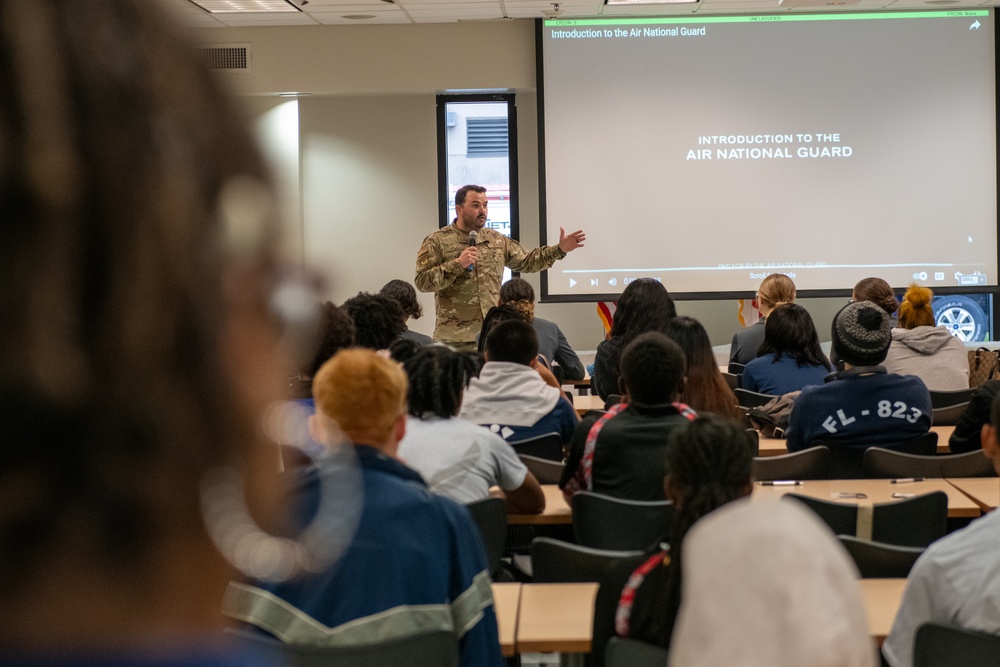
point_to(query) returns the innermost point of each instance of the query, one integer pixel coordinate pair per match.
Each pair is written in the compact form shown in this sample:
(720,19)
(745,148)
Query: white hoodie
(932,354)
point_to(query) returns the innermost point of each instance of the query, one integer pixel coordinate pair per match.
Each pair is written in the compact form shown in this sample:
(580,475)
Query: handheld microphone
(472,244)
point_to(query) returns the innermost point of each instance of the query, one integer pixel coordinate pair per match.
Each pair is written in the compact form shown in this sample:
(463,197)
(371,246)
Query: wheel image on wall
(962,316)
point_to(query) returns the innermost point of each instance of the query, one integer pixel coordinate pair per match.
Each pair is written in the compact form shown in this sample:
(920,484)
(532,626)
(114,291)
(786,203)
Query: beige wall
(368,155)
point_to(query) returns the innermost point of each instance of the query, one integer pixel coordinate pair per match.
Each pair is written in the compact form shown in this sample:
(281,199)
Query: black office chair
(613,399)
(747,399)
(438,648)
(604,522)
(622,652)
(544,470)
(948,416)
(943,646)
(881,463)
(548,446)
(753,439)
(913,522)
(609,592)
(734,381)
(557,562)
(876,560)
(812,463)
(946,399)
(846,462)
(490,515)
(735,368)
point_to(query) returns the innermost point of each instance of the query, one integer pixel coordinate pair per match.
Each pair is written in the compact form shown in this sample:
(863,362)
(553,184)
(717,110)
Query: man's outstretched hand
(570,242)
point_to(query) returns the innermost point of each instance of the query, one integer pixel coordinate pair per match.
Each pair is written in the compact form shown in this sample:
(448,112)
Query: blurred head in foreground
(137,352)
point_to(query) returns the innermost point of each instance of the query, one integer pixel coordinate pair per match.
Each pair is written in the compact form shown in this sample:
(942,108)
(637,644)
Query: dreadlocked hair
(438,377)
(708,465)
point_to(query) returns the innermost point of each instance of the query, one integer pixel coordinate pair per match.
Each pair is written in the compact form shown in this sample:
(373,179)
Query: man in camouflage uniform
(466,279)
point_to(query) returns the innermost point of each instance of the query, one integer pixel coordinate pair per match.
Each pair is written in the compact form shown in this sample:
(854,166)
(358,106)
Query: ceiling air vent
(227,57)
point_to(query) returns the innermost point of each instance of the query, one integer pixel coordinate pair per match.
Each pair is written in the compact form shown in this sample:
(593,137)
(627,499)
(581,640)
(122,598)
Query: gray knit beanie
(861,333)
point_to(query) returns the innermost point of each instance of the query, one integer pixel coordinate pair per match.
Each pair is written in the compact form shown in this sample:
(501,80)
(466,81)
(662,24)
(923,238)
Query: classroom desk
(560,617)
(582,387)
(583,403)
(556,617)
(507,605)
(984,491)
(556,510)
(877,490)
(881,598)
(775,446)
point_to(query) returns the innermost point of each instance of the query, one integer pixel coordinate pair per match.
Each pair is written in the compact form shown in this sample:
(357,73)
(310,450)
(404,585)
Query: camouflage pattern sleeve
(434,270)
(539,259)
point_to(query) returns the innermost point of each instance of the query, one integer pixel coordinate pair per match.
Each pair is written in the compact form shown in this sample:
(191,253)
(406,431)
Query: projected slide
(708,152)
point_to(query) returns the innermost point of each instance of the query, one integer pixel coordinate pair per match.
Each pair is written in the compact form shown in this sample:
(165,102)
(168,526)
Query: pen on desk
(782,482)
(906,480)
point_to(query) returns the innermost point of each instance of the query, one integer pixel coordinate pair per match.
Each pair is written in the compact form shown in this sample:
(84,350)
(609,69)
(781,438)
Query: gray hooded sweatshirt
(932,354)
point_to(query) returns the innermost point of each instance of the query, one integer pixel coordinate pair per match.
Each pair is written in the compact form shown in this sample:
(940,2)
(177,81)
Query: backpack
(771,419)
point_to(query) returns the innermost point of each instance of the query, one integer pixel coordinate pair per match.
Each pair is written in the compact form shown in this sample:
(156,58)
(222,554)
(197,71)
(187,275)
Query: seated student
(552,344)
(878,292)
(920,348)
(766,584)
(458,459)
(378,320)
(957,580)
(967,434)
(862,405)
(510,397)
(705,390)
(790,356)
(406,296)
(774,290)
(621,453)
(416,560)
(334,333)
(645,305)
(707,466)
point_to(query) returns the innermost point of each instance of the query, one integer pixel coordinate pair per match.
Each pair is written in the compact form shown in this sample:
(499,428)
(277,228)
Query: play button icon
(572,283)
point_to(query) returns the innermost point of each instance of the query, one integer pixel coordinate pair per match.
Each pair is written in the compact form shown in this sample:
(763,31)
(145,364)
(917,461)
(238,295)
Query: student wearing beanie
(922,349)
(863,405)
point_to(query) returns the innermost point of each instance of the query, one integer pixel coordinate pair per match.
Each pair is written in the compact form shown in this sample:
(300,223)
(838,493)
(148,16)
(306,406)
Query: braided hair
(707,466)
(438,377)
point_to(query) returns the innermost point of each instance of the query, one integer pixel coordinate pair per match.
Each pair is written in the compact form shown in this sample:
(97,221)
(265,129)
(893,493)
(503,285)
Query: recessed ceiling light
(359,17)
(245,6)
(648,2)
(941,2)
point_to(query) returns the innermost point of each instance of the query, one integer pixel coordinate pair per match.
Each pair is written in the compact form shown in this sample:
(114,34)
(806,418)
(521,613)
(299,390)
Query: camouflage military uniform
(462,297)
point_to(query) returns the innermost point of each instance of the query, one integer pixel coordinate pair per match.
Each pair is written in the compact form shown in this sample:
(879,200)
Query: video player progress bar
(776,268)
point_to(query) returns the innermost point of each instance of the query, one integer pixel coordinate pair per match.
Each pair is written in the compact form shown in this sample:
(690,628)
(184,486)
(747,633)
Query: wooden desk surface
(775,447)
(877,490)
(881,598)
(583,403)
(556,617)
(560,617)
(984,491)
(556,510)
(507,605)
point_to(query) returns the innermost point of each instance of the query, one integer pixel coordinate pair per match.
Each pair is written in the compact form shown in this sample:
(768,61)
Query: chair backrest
(846,462)
(613,399)
(547,446)
(438,648)
(557,562)
(753,439)
(604,522)
(812,463)
(490,515)
(945,646)
(913,522)
(877,560)
(623,652)
(948,416)
(881,463)
(735,368)
(946,399)
(733,380)
(751,399)
(544,470)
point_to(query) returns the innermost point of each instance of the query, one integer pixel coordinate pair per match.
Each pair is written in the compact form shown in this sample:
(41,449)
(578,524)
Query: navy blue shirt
(767,376)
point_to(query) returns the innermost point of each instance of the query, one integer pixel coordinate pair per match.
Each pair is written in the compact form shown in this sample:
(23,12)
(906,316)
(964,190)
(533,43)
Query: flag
(747,313)
(606,311)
